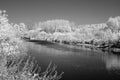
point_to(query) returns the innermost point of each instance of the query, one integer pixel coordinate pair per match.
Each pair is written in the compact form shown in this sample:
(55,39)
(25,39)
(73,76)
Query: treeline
(64,31)
(103,35)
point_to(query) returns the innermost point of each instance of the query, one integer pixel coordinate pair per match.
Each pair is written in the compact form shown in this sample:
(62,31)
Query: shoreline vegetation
(105,47)
(15,62)
(103,36)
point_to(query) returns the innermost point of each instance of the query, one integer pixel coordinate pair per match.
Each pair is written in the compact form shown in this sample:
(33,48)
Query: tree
(114,23)
(20,29)
(52,26)
(6,29)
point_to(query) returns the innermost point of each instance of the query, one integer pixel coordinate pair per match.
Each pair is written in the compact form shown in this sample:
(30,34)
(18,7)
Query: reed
(26,68)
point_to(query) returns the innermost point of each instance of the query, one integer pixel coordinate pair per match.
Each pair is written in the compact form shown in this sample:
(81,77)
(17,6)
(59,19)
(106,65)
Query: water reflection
(112,63)
(75,61)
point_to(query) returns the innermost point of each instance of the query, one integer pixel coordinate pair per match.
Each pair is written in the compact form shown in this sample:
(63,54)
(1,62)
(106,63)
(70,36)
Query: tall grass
(27,69)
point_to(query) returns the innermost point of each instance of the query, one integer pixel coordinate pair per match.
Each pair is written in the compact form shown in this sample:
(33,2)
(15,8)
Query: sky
(78,11)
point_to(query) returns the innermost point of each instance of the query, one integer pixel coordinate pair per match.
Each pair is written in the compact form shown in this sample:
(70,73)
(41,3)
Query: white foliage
(52,26)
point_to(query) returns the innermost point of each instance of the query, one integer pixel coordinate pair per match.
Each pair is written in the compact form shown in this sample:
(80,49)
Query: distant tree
(114,24)
(52,26)
(20,29)
(6,29)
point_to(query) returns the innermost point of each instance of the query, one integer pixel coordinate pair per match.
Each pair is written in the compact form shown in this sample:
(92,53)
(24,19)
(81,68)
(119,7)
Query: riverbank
(108,46)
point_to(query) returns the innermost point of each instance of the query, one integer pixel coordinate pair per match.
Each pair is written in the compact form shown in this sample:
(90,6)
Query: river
(76,63)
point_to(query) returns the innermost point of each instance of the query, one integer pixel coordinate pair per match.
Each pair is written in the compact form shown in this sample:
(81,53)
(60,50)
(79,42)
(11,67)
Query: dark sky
(78,11)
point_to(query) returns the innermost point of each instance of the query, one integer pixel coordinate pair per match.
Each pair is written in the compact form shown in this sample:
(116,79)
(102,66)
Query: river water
(77,63)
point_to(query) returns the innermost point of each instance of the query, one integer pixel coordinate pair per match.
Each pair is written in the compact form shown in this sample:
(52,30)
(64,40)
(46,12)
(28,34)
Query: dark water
(77,63)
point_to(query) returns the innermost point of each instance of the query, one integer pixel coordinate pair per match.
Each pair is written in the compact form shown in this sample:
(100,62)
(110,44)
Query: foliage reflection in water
(77,63)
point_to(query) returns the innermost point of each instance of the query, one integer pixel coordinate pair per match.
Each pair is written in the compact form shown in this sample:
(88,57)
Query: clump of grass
(26,68)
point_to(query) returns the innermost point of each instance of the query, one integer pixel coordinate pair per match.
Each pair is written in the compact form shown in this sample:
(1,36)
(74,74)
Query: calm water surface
(77,63)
